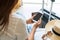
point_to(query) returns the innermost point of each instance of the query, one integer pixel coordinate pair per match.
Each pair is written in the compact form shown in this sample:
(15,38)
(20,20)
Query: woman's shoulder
(16,24)
(18,16)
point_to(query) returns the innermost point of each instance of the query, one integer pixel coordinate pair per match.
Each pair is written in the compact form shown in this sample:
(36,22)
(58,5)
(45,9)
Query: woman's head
(6,7)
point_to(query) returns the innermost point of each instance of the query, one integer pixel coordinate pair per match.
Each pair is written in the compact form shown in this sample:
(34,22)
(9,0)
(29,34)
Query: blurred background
(29,6)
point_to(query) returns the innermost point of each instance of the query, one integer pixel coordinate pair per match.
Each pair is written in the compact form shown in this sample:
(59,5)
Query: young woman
(11,26)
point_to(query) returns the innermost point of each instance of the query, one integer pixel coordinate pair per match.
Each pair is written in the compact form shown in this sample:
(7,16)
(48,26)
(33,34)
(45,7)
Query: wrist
(34,27)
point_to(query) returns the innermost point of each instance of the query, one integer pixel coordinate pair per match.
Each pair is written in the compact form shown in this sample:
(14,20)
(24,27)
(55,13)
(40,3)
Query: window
(56,6)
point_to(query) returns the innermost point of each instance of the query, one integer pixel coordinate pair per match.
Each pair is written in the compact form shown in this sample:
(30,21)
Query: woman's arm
(31,36)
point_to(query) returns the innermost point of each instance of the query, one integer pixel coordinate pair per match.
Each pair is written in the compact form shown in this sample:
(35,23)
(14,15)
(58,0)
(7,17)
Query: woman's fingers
(30,20)
(33,16)
(38,23)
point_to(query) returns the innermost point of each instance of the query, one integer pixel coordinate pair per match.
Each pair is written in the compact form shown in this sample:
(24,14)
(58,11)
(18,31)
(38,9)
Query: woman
(12,27)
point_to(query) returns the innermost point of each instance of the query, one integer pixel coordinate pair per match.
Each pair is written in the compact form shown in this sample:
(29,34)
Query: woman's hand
(30,20)
(37,24)
(31,36)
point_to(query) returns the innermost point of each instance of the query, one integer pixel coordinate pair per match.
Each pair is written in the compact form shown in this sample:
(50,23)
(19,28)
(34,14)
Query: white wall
(30,6)
(34,1)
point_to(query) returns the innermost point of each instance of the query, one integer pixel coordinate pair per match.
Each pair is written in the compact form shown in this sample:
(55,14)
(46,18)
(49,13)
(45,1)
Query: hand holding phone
(37,17)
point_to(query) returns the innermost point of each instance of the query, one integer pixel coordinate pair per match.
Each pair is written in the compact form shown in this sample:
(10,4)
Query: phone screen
(37,17)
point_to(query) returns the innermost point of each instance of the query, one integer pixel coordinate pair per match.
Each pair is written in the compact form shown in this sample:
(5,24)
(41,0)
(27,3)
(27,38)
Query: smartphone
(37,17)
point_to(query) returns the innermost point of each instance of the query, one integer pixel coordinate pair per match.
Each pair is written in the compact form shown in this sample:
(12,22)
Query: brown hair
(6,7)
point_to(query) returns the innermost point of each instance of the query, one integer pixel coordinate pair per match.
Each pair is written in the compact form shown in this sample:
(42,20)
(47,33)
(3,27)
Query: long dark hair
(6,7)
